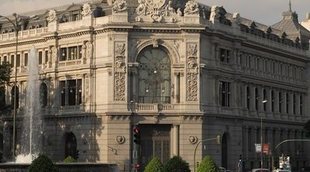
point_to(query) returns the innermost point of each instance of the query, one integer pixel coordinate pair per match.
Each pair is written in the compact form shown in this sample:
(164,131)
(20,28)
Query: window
(272,101)
(256,98)
(264,99)
(43,95)
(40,57)
(294,103)
(248,97)
(224,93)
(12,61)
(71,53)
(301,104)
(249,140)
(224,55)
(154,76)
(26,59)
(5,59)
(280,102)
(46,56)
(18,60)
(71,92)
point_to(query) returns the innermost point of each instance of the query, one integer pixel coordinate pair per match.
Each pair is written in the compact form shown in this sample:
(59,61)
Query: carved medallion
(155,3)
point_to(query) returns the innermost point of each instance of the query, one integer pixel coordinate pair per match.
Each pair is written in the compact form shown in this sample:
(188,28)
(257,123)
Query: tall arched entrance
(70,145)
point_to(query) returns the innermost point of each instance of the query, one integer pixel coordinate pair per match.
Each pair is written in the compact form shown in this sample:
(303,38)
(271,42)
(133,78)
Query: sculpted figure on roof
(51,16)
(191,8)
(119,6)
(86,10)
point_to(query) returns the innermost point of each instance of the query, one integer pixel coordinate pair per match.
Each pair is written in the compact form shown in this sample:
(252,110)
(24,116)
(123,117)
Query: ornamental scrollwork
(119,6)
(156,10)
(120,139)
(119,71)
(193,139)
(192,72)
(191,8)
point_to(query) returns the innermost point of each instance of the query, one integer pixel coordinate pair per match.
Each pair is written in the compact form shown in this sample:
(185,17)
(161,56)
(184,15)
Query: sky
(266,12)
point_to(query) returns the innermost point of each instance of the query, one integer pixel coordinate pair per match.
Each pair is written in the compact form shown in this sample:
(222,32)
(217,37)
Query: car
(260,170)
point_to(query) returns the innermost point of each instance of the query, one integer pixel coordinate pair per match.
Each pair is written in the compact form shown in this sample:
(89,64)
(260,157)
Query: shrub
(207,164)
(69,159)
(176,164)
(154,165)
(42,164)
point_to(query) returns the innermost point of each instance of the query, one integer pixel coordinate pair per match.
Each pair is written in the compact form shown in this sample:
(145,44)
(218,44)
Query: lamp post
(16,29)
(261,138)
(217,138)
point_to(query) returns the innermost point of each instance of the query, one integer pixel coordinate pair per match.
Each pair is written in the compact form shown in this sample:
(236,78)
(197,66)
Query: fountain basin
(63,167)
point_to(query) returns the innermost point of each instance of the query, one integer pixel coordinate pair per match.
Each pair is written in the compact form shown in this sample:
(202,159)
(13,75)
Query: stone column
(175,146)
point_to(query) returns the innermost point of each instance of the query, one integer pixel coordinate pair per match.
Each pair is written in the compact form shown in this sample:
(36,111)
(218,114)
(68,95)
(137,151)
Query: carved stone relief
(192,73)
(119,71)
(51,16)
(86,10)
(156,10)
(119,6)
(191,8)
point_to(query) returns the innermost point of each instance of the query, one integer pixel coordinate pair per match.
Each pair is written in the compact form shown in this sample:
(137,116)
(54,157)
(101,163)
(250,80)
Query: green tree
(207,164)
(5,72)
(42,164)
(176,164)
(154,165)
(69,159)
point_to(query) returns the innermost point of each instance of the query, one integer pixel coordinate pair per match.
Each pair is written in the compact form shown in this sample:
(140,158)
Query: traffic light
(136,135)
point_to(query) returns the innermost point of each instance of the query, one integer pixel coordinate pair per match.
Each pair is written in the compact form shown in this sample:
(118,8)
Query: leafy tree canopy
(176,164)
(42,164)
(207,164)
(5,72)
(154,165)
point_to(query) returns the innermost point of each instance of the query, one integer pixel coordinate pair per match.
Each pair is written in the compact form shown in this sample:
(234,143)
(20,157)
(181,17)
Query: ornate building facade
(181,71)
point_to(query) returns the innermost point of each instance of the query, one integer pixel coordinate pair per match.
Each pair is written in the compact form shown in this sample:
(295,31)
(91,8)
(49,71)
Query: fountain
(32,121)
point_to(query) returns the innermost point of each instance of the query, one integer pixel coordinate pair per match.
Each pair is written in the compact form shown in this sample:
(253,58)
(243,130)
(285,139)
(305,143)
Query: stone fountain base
(63,167)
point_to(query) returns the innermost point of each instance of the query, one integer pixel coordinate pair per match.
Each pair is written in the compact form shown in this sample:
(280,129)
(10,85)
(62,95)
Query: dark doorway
(70,145)
(224,150)
(155,141)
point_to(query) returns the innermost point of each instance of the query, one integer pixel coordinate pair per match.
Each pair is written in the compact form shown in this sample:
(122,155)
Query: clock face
(155,3)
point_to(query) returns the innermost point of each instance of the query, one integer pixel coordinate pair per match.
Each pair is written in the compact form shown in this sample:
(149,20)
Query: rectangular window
(287,102)
(224,55)
(272,101)
(256,98)
(12,61)
(5,59)
(46,56)
(225,93)
(71,92)
(63,54)
(40,57)
(301,105)
(248,97)
(249,140)
(294,103)
(26,59)
(72,53)
(18,60)
(265,99)
(280,102)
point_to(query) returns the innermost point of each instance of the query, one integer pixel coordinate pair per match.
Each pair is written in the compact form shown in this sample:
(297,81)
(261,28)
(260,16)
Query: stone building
(181,71)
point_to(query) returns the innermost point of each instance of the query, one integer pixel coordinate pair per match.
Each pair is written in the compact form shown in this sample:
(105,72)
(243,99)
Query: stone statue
(191,8)
(86,10)
(119,6)
(215,15)
(51,16)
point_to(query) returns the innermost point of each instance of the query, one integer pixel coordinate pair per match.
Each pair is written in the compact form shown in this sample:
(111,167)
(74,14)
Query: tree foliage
(5,72)
(176,164)
(42,164)
(154,165)
(69,159)
(207,164)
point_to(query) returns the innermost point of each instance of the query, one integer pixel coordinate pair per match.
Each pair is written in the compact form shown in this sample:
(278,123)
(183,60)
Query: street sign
(258,148)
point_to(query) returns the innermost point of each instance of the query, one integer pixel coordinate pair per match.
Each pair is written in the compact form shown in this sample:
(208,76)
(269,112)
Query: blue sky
(263,11)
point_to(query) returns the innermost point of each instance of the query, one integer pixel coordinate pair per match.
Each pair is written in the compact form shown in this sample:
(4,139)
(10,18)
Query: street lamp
(261,138)
(218,140)
(16,30)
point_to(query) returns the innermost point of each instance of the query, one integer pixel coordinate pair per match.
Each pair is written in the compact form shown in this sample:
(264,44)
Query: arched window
(70,145)
(13,95)
(43,95)
(154,76)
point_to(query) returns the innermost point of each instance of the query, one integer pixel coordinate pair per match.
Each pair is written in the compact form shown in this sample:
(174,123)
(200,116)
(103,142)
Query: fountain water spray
(31,135)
